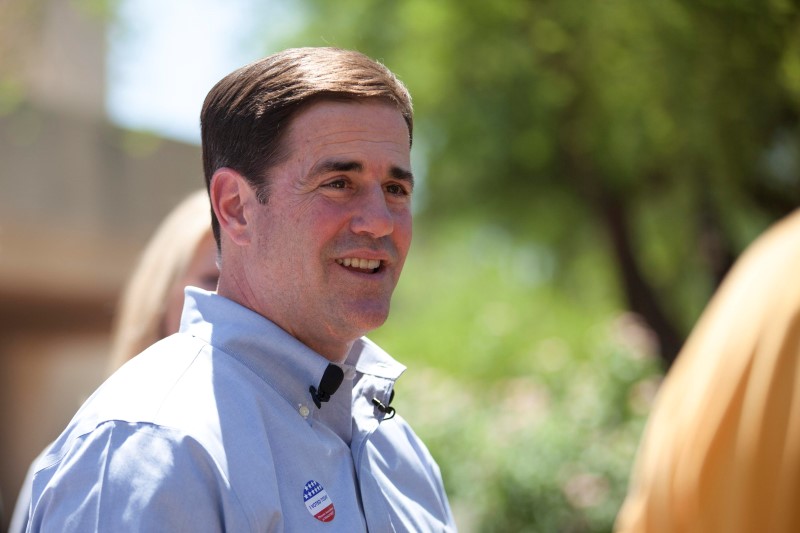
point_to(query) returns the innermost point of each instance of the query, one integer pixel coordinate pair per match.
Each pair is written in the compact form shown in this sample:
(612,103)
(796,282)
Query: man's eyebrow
(402,175)
(325,167)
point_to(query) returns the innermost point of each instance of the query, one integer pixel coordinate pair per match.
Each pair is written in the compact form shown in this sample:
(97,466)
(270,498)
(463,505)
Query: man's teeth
(364,264)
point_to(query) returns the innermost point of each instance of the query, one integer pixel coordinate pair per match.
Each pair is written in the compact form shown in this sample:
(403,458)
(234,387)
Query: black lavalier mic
(328,385)
(386,409)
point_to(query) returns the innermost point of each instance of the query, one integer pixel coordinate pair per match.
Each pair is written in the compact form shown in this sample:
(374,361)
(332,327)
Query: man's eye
(337,184)
(396,189)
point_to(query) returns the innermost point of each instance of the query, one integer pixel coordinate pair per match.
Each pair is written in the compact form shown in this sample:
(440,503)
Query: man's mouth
(363,265)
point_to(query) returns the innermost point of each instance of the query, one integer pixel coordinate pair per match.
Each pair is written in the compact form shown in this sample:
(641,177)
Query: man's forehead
(330,121)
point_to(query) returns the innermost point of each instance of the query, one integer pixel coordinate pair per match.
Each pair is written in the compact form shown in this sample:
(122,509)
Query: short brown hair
(246,114)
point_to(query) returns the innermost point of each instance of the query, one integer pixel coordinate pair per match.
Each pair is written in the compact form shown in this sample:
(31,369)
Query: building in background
(79,198)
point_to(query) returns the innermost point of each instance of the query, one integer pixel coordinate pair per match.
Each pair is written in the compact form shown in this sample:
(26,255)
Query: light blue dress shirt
(214,429)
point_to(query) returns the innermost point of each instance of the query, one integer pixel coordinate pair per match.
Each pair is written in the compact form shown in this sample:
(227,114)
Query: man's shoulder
(150,389)
(178,364)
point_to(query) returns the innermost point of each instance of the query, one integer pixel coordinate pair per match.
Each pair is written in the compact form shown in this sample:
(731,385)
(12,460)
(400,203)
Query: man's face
(329,244)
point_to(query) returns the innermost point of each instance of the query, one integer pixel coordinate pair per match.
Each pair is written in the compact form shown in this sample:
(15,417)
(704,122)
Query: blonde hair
(139,317)
(721,451)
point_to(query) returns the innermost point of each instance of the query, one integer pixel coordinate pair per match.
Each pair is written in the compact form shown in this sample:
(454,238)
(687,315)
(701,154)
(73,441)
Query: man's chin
(368,318)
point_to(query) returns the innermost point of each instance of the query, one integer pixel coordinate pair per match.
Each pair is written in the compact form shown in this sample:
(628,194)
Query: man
(269,410)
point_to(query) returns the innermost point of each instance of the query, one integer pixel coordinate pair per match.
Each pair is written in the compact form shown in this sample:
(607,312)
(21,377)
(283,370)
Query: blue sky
(165,56)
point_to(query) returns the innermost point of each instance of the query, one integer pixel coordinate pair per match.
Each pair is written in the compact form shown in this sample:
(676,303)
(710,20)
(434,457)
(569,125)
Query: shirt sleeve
(19,517)
(133,477)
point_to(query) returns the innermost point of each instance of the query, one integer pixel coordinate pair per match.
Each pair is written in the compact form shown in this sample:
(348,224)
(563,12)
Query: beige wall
(78,200)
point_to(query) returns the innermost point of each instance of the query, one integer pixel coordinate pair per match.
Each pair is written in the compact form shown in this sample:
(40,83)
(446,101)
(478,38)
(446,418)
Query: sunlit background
(590,170)
(163,57)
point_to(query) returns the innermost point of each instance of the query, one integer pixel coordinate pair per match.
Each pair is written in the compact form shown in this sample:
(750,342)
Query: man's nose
(372,215)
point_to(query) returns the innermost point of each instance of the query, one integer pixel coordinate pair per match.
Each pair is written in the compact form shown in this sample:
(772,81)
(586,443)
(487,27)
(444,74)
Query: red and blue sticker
(318,502)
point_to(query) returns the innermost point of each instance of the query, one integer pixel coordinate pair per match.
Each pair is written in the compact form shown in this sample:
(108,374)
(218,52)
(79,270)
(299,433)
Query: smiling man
(322,255)
(270,410)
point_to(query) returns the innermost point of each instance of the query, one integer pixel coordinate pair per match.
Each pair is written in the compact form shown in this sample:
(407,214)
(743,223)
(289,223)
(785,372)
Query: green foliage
(470,288)
(531,395)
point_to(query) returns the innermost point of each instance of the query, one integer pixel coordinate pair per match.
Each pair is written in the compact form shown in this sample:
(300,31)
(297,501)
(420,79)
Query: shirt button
(304,411)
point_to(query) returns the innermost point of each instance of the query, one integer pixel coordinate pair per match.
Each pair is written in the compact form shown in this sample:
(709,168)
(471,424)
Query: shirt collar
(286,364)
(368,358)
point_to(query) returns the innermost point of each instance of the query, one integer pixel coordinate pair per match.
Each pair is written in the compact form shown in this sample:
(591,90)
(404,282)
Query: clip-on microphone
(328,385)
(385,409)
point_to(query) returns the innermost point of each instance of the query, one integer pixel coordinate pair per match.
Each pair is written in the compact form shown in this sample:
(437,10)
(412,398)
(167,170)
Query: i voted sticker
(318,502)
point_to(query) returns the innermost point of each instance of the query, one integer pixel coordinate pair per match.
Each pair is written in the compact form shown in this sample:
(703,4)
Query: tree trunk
(640,295)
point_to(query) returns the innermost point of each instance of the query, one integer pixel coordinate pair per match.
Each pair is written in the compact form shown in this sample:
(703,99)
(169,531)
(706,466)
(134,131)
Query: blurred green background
(589,170)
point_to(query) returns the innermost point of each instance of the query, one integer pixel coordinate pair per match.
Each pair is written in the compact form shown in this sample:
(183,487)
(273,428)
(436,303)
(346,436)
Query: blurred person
(270,410)
(721,451)
(181,252)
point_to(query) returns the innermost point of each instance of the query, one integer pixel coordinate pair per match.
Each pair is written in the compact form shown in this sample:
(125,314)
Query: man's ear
(230,196)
